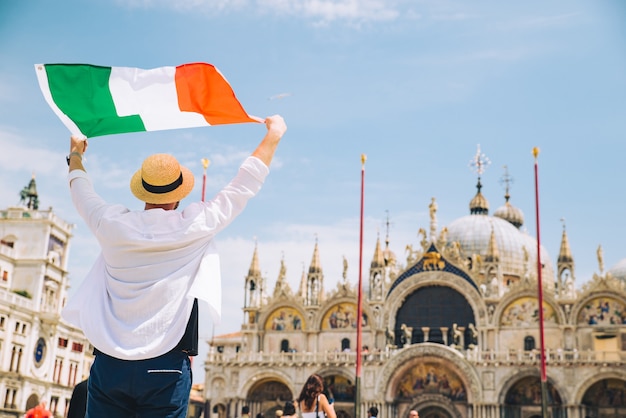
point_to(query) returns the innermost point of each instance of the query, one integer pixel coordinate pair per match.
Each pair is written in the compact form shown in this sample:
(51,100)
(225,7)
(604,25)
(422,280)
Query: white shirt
(136,300)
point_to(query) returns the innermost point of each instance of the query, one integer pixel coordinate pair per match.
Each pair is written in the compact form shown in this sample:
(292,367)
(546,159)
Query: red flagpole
(544,376)
(359,315)
(205,165)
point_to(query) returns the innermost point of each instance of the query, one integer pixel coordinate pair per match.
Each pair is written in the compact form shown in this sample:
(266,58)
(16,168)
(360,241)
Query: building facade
(42,357)
(452,330)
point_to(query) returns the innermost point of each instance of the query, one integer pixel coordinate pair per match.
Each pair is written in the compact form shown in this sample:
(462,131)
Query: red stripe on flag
(202,89)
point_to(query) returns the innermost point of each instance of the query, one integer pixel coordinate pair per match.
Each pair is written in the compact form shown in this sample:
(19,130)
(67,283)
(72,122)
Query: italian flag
(93,100)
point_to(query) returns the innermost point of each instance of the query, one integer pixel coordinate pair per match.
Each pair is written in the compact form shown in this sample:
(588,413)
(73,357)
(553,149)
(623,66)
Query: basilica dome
(515,249)
(619,270)
(511,214)
(473,233)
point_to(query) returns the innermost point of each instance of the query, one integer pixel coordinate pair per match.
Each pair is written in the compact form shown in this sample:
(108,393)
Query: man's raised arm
(276,128)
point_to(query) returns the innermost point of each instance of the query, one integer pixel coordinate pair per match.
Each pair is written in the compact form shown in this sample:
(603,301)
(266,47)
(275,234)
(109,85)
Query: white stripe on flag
(42,77)
(152,95)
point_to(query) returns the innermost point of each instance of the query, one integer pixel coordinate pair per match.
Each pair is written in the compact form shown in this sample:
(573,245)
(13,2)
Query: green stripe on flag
(82,93)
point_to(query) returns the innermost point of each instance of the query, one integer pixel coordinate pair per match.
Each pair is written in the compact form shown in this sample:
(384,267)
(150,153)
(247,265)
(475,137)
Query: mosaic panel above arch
(285,319)
(602,311)
(527,391)
(606,393)
(342,315)
(430,377)
(524,312)
(269,390)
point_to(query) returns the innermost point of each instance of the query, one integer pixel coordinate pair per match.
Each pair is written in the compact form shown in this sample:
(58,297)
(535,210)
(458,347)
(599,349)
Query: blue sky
(414,85)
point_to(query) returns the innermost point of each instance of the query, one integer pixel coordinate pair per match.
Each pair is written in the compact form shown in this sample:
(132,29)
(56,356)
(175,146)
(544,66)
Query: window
(529,343)
(54,403)
(20,327)
(5,276)
(58,369)
(345,344)
(9,398)
(16,359)
(55,244)
(78,347)
(71,377)
(284,346)
(63,342)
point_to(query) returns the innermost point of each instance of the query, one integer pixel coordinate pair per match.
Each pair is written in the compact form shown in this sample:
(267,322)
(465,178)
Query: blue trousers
(152,388)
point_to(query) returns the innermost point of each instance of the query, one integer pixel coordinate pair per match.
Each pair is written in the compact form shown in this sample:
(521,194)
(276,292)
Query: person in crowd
(78,401)
(414,414)
(245,411)
(289,410)
(372,412)
(39,411)
(312,401)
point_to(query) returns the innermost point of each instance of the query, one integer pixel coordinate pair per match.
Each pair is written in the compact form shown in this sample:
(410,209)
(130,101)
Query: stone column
(444,334)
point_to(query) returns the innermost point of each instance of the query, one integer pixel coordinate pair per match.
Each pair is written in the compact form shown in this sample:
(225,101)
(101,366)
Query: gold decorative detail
(433,261)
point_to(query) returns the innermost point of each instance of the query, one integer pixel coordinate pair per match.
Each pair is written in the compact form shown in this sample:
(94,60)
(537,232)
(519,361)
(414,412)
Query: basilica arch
(434,406)
(284,317)
(520,308)
(267,392)
(603,395)
(431,376)
(421,310)
(521,394)
(341,314)
(600,308)
(407,286)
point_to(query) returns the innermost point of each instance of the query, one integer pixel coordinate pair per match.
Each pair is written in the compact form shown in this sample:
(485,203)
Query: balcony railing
(484,358)
(10,298)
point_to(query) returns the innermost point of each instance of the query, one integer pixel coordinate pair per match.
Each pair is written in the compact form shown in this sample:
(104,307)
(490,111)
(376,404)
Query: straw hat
(161,179)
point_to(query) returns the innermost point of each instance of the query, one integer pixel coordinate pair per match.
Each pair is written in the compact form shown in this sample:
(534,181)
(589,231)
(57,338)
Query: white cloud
(355,12)
(322,11)
(20,161)
(17,156)
(331,10)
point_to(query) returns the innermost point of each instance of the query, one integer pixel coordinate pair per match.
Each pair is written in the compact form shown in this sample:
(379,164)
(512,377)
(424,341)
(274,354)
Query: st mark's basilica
(452,330)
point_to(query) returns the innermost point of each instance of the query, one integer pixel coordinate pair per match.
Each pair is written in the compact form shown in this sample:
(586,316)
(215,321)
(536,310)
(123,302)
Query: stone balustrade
(477,357)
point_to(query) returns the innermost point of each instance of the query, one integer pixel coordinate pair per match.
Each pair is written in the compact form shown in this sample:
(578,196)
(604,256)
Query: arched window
(529,343)
(284,346)
(345,344)
(436,308)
